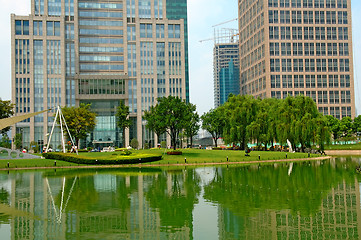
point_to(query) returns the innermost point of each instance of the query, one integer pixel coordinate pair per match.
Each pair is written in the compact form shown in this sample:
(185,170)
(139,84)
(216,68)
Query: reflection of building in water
(339,217)
(117,208)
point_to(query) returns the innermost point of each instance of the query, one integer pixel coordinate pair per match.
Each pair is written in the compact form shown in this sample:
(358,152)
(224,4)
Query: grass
(344,147)
(25,163)
(198,156)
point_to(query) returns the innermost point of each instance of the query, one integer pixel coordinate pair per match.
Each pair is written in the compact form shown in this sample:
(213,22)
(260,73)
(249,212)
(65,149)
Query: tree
(18,140)
(123,120)
(356,125)
(5,141)
(346,128)
(6,111)
(214,123)
(240,112)
(134,143)
(333,125)
(80,120)
(170,114)
(192,125)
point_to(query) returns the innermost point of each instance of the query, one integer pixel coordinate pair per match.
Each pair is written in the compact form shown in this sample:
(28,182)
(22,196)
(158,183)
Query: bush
(217,148)
(68,157)
(134,143)
(174,153)
(146,145)
(163,144)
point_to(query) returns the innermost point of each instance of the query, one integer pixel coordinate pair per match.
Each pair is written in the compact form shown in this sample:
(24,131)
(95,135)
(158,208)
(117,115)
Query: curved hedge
(71,157)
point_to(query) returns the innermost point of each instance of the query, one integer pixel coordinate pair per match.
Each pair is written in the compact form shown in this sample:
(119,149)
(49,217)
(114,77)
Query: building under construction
(225,65)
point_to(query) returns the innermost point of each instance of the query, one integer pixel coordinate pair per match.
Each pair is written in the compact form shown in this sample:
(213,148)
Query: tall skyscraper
(225,71)
(293,47)
(100,52)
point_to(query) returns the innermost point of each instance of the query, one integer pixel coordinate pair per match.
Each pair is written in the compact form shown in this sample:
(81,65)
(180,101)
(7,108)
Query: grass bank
(189,156)
(344,147)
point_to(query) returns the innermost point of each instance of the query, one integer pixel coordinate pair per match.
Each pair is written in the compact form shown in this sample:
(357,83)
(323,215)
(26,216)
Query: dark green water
(310,200)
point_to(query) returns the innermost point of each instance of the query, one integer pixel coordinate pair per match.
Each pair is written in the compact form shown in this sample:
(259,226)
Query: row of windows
(308,33)
(93,14)
(102,49)
(310,81)
(101,58)
(309,65)
(100,5)
(322,97)
(102,86)
(117,40)
(309,17)
(309,49)
(101,32)
(101,23)
(99,67)
(308,3)
(146,30)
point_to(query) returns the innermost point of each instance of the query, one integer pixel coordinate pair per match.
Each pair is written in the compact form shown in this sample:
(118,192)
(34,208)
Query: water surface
(308,200)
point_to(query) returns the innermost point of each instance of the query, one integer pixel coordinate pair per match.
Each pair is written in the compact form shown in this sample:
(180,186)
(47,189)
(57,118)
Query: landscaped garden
(151,157)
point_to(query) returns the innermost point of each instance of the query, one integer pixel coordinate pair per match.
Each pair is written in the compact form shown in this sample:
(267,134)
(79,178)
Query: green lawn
(25,163)
(192,155)
(214,156)
(344,147)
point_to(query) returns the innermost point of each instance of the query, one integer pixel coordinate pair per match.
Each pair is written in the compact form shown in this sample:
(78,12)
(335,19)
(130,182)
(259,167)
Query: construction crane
(224,33)
(234,19)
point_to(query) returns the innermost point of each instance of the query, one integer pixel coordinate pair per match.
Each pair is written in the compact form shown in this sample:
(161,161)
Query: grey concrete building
(68,52)
(293,47)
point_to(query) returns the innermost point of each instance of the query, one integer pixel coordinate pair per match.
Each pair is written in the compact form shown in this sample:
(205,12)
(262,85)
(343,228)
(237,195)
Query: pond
(308,200)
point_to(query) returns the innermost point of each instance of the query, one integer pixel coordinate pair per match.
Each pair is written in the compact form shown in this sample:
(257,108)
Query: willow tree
(240,112)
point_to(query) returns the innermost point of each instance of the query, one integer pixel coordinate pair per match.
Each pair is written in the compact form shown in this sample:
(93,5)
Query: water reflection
(311,200)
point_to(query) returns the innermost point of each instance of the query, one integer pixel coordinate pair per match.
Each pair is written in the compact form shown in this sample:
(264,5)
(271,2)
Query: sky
(202,15)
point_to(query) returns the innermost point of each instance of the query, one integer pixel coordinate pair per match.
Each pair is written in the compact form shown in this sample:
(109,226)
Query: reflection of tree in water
(175,204)
(4,199)
(85,196)
(247,190)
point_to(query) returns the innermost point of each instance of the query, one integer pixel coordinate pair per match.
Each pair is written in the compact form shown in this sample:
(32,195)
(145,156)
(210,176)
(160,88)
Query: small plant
(134,143)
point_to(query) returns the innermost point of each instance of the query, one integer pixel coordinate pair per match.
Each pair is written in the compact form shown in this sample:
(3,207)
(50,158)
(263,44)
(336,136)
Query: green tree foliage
(346,129)
(134,143)
(80,120)
(192,126)
(356,125)
(6,111)
(334,126)
(123,120)
(265,121)
(5,141)
(240,112)
(18,140)
(170,115)
(214,122)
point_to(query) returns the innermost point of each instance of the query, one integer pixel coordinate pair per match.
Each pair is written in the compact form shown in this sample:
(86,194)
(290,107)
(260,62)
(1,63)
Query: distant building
(289,48)
(226,71)
(99,52)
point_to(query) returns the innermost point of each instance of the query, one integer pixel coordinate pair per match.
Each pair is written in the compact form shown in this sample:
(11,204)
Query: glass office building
(225,71)
(101,52)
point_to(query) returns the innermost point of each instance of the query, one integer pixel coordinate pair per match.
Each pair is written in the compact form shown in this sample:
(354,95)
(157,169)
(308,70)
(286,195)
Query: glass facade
(177,9)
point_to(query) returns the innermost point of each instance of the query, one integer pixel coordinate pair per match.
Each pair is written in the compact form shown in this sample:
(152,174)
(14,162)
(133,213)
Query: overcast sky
(202,14)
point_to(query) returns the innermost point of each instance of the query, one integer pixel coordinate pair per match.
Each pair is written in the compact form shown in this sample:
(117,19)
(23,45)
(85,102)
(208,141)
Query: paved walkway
(175,164)
(343,152)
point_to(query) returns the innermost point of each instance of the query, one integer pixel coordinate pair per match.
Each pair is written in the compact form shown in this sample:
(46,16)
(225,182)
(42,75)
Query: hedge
(69,157)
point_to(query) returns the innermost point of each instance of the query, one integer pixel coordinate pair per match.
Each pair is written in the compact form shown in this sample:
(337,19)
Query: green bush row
(68,157)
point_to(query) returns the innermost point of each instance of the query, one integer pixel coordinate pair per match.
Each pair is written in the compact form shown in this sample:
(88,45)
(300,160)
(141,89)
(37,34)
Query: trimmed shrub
(134,143)
(174,153)
(163,144)
(217,148)
(68,157)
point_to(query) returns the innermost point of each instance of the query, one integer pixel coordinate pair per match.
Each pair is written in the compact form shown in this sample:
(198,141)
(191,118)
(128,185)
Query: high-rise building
(225,71)
(293,47)
(100,52)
